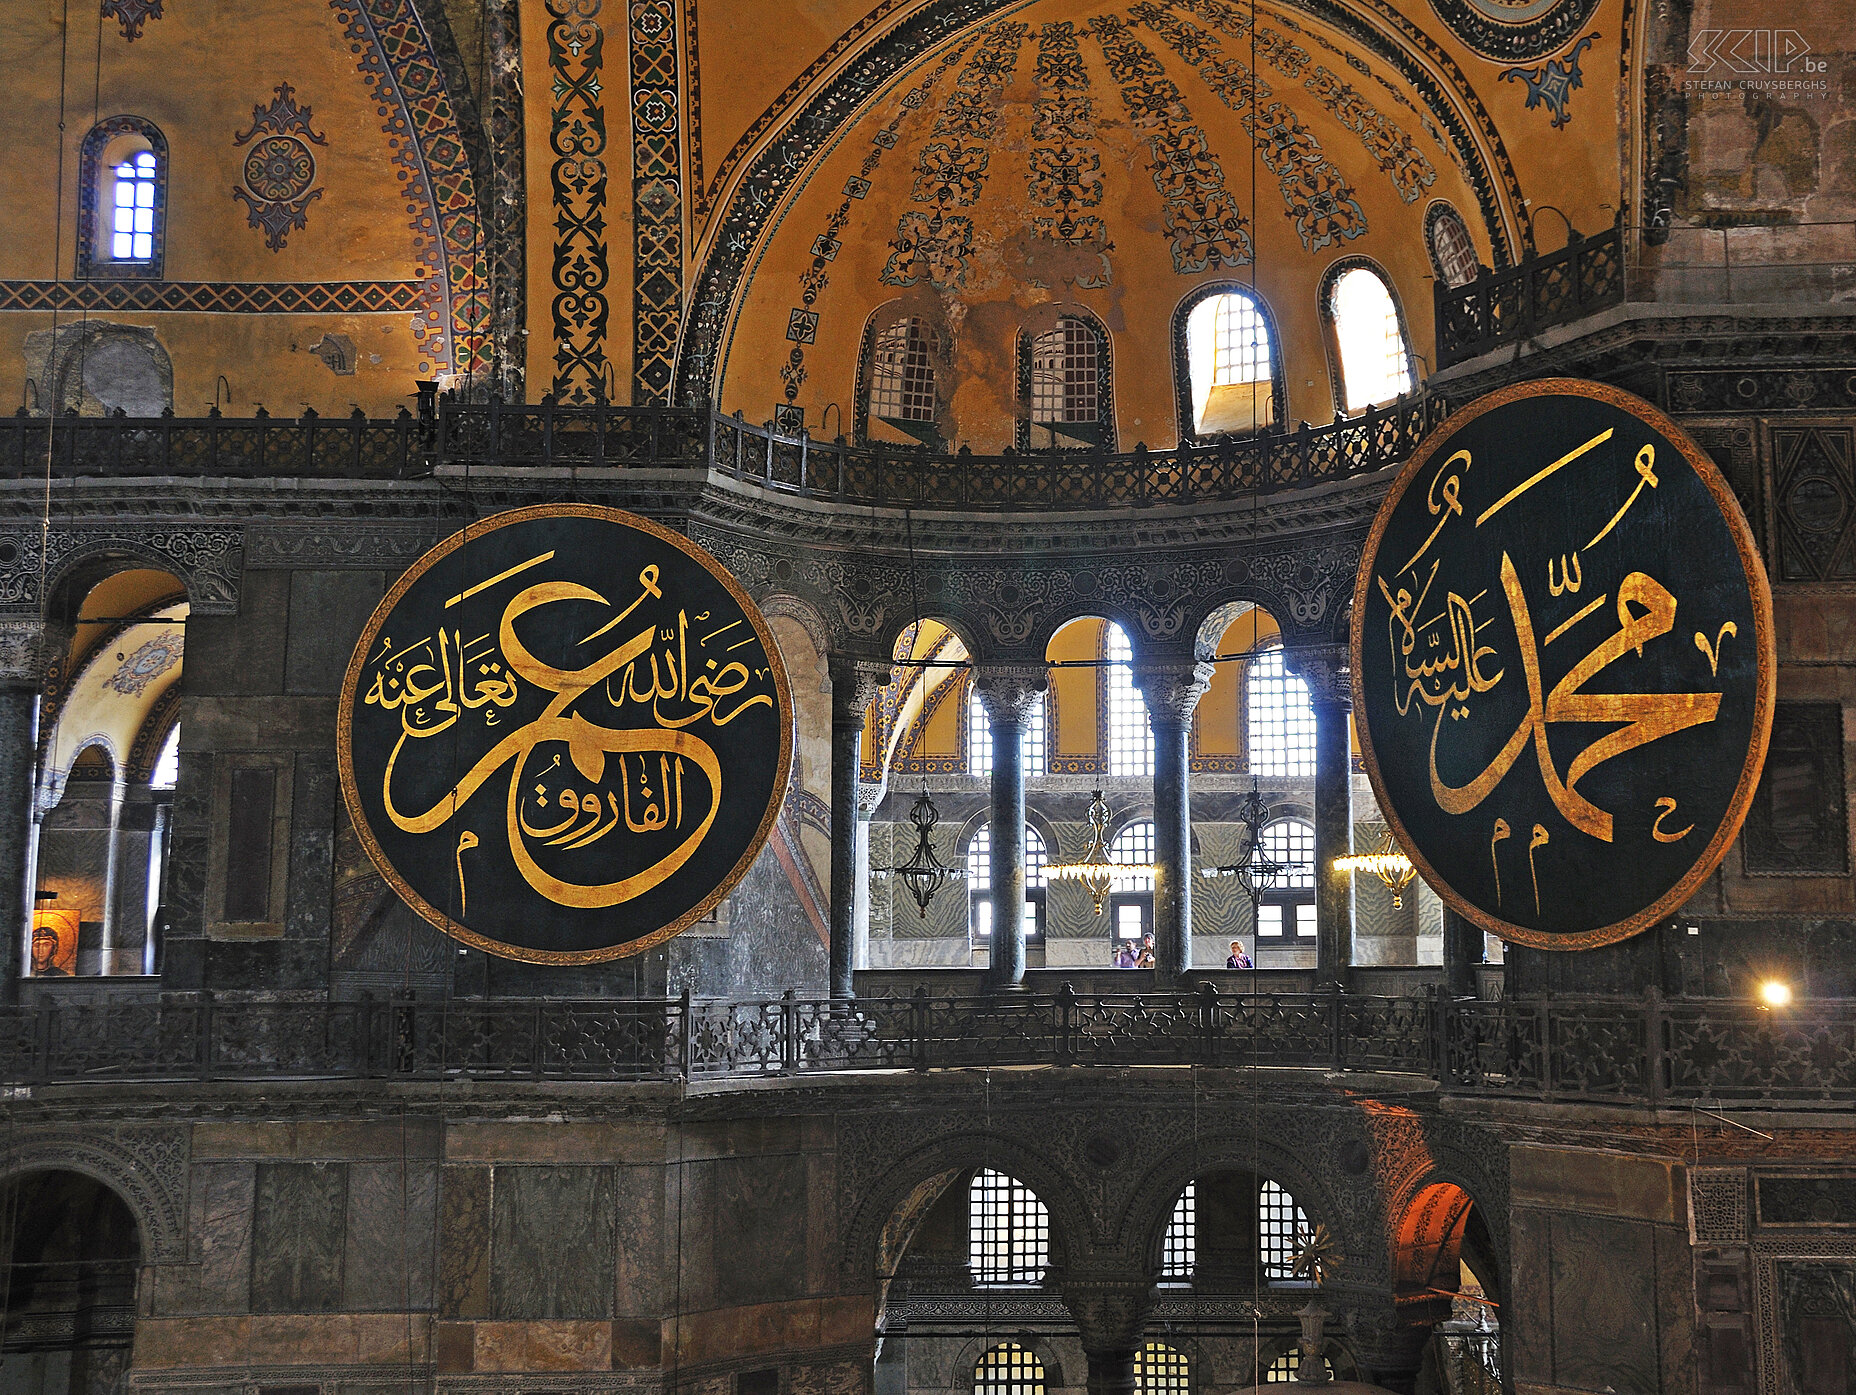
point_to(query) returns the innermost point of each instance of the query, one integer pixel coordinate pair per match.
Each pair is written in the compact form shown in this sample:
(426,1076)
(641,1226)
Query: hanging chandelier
(1098,872)
(1386,862)
(924,873)
(1257,873)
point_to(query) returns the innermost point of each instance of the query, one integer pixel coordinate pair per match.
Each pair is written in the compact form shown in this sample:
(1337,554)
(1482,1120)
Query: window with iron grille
(902,372)
(1130,738)
(1283,1368)
(1034,750)
(1161,1370)
(1287,907)
(1282,1226)
(1065,382)
(1008,1232)
(1008,1369)
(132,208)
(979,883)
(1375,365)
(1240,342)
(1453,253)
(1280,718)
(1179,1251)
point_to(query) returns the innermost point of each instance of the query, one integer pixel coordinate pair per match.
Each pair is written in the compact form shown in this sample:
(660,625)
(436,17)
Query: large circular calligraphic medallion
(565,734)
(1563,663)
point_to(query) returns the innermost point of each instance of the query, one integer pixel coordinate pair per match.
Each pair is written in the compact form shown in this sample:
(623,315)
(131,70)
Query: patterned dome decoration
(146,664)
(279,168)
(1515,31)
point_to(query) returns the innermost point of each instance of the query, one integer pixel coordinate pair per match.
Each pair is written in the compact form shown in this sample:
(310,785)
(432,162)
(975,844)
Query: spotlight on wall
(1775,993)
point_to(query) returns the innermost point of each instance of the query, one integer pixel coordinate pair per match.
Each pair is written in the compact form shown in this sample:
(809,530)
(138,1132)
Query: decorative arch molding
(784,165)
(787,606)
(399,60)
(207,560)
(1330,337)
(872,1206)
(1182,365)
(90,208)
(145,1166)
(966,1363)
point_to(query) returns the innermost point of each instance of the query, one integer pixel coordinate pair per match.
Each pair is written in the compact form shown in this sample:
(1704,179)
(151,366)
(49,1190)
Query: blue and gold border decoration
(565,734)
(1563,664)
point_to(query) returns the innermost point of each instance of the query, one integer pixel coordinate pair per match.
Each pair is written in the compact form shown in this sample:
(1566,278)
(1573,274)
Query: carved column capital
(1172,690)
(28,648)
(1110,1312)
(1327,671)
(1010,692)
(854,684)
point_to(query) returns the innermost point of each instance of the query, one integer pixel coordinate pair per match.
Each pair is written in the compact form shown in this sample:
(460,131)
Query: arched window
(1008,1231)
(1064,386)
(979,884)
(1034,753)
(1179,1251)
(1130,738)
(1284,1368)
(1008,1369)
(1131,903)
(1453,252)
(901,390)
(166,772)
(1375,361)
(1282,1226)
(1161,1370)
(1287,909)
(123,169)
(1225,357)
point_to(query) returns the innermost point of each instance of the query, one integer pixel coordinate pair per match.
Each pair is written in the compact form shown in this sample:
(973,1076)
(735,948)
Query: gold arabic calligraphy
(441,678)
(1443,660)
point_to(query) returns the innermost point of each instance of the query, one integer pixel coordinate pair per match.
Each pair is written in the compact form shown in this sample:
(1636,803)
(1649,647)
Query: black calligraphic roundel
(565,734)
(1563,664)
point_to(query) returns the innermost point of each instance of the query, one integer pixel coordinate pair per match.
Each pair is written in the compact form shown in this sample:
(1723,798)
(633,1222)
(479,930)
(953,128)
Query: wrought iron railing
(1221,469)
(1652,1051)
(458,437)
(1505,307)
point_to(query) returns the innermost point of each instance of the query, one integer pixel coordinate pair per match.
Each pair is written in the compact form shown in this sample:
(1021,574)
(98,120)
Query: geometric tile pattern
(1317,195)
(1066,170)
(398,61)
(218,297)
(1203,223)
(951,168)
(576,57)
(657,199)
(802,326)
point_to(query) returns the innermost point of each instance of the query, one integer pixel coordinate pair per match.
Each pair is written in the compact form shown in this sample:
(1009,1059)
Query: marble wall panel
(222,1206)
(553,1235)
(1603,1283)
(464,1243)
(761,1253)
(391,1218)
(299,1235)
(639,1211)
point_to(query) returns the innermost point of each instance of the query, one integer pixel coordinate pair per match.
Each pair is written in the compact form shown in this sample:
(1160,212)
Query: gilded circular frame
(358,661)
(1760,592)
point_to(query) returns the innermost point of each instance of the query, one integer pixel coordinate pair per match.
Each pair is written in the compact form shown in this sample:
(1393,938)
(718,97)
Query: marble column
(1330,692)
(853,685)
(23,644)
(1463,950)
(112,866)
(1172,692)
(1009,694)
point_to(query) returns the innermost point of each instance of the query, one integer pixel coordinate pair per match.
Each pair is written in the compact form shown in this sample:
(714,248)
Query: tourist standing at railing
(1145,959)
(1237,959)
(1124,956)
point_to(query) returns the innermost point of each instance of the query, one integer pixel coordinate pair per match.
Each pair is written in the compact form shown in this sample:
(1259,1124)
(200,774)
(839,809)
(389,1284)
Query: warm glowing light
(1387,862)
(1775,993)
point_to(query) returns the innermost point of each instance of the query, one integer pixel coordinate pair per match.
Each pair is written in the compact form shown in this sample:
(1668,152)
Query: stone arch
(967,1361)
(147,1169)
(802,612)
(207,562)
(1142,1225)
(100,367)
(870,1236)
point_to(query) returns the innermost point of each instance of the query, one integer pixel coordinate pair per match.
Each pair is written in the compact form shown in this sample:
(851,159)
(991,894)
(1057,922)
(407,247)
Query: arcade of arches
(1038,369)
